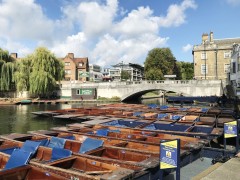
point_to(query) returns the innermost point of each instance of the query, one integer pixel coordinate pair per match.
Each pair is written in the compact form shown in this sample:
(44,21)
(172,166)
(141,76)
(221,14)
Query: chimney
(71,55)
(211,37)
(13,55)
(204,37)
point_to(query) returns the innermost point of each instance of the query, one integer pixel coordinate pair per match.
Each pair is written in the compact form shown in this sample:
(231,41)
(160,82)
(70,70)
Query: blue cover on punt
(57,142)
(30,146)
(152,106)
(43,142)
(102,132)
(160,116)
(58,153)
(163,107)
(17,159)
(9,150)
(69,137)
(90,144)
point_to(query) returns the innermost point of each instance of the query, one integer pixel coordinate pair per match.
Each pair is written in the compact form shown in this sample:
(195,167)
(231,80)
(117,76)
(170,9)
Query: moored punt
(23,171)
(46,156)
(148,140)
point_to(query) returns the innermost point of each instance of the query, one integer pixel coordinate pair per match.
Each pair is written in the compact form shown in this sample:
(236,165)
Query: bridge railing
(76,84)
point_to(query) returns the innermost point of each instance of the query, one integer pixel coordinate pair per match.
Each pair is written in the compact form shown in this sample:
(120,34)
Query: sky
(113,31)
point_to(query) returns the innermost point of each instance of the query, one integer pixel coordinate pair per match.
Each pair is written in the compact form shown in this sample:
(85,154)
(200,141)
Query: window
(80,64)
(67,71)
(226,68)
(234,67)
(203,69)
(227,55)
(67,63)
(203,55)
(78,92)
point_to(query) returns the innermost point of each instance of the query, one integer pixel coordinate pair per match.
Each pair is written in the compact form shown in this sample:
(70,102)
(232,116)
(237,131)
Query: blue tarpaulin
(90,144)
(18,158)
(59,153)
(57,142)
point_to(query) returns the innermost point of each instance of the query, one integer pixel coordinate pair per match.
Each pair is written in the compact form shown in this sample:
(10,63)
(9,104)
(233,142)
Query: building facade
(76,68)
(95,73)
(212,57)
(134,70)
(235,69)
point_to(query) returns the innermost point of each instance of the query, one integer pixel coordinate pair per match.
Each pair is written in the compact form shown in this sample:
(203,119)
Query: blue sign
(169,154)
(230,129)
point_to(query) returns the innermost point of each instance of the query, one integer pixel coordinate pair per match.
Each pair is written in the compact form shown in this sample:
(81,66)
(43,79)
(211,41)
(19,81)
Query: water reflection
(18,118)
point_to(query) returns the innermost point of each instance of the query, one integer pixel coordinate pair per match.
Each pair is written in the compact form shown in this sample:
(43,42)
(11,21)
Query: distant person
(224,100)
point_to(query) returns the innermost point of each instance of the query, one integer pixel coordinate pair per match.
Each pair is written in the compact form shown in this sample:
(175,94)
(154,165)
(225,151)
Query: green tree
(159,62)
(46,70)
(186,69)
(22,74)
(125,75)
(6,71)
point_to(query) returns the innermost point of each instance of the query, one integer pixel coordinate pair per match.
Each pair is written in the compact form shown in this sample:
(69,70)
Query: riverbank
(17,101)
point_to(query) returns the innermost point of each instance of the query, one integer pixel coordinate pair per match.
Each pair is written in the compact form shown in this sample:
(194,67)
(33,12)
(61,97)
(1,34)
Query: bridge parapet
(126,89)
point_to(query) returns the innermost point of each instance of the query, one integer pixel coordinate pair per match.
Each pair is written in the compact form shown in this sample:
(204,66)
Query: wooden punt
(26,172)
(83,167)
(105,151)
(224,118)
(148,141)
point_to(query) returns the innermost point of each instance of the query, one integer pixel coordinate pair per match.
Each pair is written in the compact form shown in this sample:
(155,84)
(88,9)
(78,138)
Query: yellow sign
(230,129)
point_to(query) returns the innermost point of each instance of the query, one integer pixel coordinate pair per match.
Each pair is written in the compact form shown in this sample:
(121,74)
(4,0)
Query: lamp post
(216,51)
(121,71)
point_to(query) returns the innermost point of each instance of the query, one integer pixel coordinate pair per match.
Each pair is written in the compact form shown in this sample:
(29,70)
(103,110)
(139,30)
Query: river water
(19,119)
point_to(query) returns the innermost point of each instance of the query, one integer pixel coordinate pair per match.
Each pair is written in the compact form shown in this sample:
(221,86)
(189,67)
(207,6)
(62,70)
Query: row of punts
(116,141)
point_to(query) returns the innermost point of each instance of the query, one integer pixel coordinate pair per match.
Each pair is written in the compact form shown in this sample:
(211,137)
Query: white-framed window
(78,92)
(203,55)
(204,69)
(226,68)
(67,71)
(227,54)
(80,64)
(67,63)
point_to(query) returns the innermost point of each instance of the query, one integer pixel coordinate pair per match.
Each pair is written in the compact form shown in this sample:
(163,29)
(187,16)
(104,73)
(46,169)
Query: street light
(121,71)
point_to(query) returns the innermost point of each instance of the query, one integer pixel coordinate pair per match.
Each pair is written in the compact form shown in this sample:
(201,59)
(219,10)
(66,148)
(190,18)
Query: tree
(22,74)
(186,69)
(125,75)
(159,62)
(6,71)
(46,70)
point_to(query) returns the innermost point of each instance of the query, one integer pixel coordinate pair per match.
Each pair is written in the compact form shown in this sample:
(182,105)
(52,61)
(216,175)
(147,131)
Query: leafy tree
(125,75)
(6,71)
(186,69)
(46,70)
(22,74)
(159,62)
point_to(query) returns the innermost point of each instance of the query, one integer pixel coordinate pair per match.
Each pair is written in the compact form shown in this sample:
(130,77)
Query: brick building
(212,57)
(76,68)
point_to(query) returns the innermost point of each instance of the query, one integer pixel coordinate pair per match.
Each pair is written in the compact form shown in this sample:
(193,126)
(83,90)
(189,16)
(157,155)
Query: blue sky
(111,31)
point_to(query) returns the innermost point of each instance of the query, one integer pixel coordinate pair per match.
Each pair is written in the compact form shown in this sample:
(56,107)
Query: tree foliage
(22,74)
(159,62)
(125,75)
(186,69)
(46,71)
(6,71)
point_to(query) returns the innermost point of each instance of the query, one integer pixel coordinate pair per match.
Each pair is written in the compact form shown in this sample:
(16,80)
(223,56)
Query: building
(95,73)
(135,71)
(76,68)
(212,57)
(235,69)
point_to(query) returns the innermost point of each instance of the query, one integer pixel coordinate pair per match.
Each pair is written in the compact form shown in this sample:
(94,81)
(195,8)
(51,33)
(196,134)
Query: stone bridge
(129,90)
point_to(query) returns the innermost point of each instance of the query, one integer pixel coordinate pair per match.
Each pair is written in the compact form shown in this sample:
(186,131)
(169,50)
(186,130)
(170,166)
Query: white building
(95,73)
(235,69)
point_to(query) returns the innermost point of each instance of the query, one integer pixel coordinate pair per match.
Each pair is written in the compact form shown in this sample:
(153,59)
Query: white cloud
(110,50)
(176,14)
(234,2)
(187,47)
(98,29)
(75,44)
